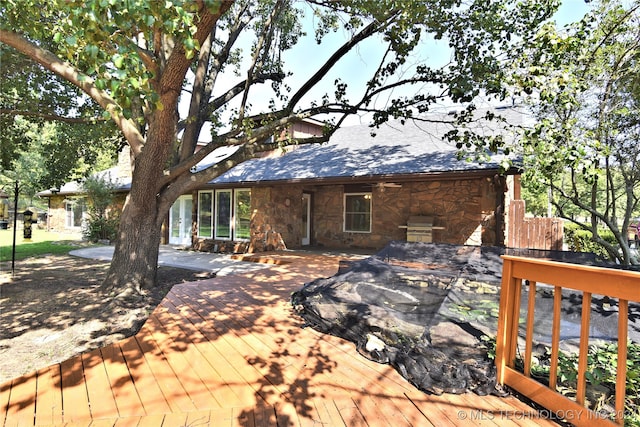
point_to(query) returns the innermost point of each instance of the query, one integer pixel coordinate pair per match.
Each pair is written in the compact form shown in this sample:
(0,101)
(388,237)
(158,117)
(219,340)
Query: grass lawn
(42,242)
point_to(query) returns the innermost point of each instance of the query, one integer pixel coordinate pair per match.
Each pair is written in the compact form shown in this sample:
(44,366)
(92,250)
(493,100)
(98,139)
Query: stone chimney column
(124,163)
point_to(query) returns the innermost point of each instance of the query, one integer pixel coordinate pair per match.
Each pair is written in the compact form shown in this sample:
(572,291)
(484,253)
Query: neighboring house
(67,208)
(356,191)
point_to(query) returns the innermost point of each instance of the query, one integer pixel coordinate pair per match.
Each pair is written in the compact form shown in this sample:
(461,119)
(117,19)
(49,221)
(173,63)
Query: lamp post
(15,225)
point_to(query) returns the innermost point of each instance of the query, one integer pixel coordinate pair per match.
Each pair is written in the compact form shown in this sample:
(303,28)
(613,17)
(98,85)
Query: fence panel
(533,233)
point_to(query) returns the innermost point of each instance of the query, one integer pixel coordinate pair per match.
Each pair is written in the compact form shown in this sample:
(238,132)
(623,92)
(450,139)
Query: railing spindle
(555,337)
(531,308)
(517,296)
(584,348)
(621,375)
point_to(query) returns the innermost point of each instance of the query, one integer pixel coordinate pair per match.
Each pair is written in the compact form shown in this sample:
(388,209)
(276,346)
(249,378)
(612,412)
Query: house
(359,190)
(67,206)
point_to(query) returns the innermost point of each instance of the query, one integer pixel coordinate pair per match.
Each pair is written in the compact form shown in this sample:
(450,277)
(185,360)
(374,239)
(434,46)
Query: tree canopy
(582,85)
(141,61)
(50,133)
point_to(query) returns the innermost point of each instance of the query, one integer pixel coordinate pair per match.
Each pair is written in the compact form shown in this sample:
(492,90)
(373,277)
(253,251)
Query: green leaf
(100,84)
(118,60)
(92,50)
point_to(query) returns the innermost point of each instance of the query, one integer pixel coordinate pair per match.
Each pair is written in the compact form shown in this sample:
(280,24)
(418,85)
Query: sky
(571,11)
(307,57)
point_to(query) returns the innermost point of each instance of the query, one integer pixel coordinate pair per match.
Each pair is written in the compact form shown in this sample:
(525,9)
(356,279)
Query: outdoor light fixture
(27,217)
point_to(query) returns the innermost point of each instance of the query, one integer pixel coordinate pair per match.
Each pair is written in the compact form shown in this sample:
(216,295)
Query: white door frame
(306,225)
(180,228)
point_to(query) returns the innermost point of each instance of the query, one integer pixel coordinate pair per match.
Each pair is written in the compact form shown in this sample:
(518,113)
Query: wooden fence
(532,233)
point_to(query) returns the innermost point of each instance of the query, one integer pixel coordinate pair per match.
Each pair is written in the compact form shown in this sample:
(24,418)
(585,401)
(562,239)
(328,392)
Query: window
(242,214)
(223,214)
(75,210)
(357,212)
(205,214)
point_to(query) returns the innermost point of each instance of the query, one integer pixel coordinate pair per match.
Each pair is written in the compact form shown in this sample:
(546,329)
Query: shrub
(101,224)
(601,372)
(580,240)
(100,228)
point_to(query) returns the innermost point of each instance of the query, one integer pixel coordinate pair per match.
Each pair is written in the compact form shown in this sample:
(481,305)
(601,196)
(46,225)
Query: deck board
(125,394)
(229,351)
(148,390)
(163,374)
(75,400)
(195,355)
(21,409)
(190,379)
(235,368)
(97,381)
(49,396)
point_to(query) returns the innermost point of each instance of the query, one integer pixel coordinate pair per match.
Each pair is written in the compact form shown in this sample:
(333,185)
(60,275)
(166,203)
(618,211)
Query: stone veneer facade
(466,208)
(57,214)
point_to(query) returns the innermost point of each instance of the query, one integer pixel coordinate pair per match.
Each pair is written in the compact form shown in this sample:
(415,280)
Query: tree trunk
(135,258)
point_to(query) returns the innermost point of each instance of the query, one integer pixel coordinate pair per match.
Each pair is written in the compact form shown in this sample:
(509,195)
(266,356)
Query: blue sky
(571,11)
(307,57)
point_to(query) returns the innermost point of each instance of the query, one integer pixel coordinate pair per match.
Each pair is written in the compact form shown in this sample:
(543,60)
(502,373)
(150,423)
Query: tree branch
(85,83)
(365,33)
(208,68)
(235,137)
(51,117)
(238,89)
(265,39)
(194,122)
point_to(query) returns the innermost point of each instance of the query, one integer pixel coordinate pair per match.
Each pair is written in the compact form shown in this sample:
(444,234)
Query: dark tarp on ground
(421,307)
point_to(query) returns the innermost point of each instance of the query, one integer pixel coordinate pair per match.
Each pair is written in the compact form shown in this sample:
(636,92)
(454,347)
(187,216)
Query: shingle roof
(396,149)
(74,187)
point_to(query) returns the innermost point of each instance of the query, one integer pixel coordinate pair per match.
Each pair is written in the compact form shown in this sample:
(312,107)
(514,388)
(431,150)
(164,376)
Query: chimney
(124,163)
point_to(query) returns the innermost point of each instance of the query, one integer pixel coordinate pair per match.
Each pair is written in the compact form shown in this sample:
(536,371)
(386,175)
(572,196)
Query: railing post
(504,321)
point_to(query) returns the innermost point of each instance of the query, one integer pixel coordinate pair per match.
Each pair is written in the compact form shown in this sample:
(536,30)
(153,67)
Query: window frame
(211,214)
(70,214)
(217,209)
(367,196)
(234,195)
(235,217)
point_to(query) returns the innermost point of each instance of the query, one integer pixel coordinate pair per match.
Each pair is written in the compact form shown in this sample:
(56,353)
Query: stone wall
(465,208)
(56,218)
(276,222)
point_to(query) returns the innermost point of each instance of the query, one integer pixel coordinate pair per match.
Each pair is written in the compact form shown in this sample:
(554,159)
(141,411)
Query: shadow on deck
(229,351)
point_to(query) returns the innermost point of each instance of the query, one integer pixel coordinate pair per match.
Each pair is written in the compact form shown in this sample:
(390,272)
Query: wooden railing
(619,284)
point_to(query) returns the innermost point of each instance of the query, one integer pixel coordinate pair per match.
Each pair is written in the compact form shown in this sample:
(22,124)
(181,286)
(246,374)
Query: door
(306,219)
(180,221)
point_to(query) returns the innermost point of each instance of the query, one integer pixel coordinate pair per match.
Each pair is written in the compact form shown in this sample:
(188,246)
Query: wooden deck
(229,351)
